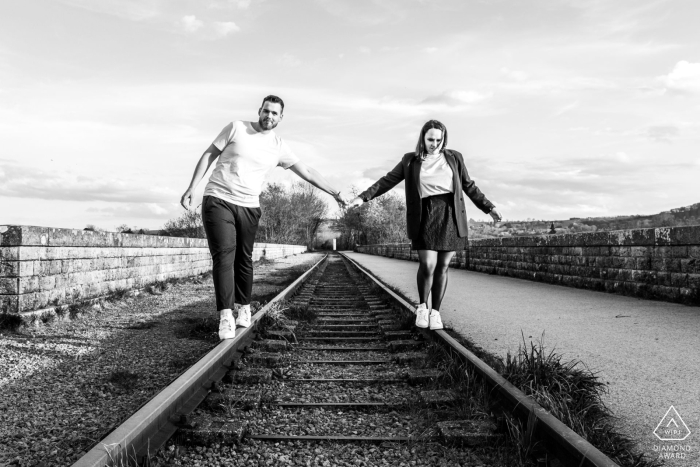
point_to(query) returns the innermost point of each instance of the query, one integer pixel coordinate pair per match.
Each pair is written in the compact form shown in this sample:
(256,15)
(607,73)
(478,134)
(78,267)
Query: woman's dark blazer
(409,169)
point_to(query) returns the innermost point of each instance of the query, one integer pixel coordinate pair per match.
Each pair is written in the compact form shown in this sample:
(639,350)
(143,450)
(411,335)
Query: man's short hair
(274,100)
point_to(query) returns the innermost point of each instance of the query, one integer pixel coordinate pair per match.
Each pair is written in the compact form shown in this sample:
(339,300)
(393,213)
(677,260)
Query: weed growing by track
(573,394)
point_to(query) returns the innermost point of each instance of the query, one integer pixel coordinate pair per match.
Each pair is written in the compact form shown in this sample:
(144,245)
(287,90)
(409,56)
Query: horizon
(575,108)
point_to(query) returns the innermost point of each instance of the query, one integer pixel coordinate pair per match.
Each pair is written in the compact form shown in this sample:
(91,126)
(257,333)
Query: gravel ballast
(68,383)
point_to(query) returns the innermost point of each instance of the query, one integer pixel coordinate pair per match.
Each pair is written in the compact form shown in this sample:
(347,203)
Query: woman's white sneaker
(226,330)
(243,319)
(435,320)
(422,316)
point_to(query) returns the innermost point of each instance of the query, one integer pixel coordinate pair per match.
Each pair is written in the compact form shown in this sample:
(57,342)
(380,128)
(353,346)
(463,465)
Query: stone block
(636,237)
(686,235)
(9,285)
(694,281)
(9,253)
(9,304)
(596,239)
(469,433)
(690,265)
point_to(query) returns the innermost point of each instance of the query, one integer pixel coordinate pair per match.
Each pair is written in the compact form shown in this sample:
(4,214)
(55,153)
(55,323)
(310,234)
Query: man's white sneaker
(435,320)
(243,319)
(226,330)
(422,317)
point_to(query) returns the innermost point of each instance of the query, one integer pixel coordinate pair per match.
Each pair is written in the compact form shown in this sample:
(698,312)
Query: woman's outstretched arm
(381,186)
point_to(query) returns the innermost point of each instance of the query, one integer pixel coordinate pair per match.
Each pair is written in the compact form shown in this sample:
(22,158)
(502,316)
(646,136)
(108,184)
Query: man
(246,152)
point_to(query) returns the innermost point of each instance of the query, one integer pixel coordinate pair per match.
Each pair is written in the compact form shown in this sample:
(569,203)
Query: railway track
(339,362)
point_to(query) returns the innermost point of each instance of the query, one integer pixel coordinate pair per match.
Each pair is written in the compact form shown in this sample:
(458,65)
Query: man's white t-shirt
(246,157)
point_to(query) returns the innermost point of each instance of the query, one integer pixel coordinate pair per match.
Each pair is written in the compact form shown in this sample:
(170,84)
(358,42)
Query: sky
(561,108)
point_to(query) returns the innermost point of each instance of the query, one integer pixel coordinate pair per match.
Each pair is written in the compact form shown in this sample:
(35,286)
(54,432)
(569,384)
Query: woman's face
(433,141)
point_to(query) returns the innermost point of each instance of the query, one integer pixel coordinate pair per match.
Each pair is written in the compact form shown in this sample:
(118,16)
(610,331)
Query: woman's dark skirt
(438,226)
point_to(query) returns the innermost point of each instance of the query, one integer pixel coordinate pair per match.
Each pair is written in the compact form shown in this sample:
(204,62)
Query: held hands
(496,215)
(186,200)
(355,203)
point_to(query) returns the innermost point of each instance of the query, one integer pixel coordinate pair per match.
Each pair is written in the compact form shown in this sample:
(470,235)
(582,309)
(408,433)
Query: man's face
(270,115)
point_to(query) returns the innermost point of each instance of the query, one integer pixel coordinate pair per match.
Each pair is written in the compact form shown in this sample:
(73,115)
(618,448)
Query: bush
(382,220)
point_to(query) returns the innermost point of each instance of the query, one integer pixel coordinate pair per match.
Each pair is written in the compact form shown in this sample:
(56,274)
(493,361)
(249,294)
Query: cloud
(138,210)
(366,12)
(134,10)
(449,101)
(684,78)
(30,182)
(376,173)
(514,74)
(223,29)
(455,98)
(289,60)
(190,23)
(565,109)
(662,133)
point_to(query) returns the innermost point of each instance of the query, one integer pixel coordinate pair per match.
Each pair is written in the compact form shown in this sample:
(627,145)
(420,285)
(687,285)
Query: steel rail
(152,425)
(567,445)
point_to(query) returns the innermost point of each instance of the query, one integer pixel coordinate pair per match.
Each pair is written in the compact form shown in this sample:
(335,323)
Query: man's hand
(186,200)
(342,204)
(496,215)
(355,203)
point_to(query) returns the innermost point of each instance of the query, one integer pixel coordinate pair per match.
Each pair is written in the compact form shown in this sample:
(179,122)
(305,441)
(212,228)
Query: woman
(435,212)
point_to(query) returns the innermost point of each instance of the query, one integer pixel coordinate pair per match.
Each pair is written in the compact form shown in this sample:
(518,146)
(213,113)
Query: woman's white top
(435,176)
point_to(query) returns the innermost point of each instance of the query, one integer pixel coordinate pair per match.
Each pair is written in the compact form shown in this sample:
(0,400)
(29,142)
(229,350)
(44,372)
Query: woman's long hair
(420,147)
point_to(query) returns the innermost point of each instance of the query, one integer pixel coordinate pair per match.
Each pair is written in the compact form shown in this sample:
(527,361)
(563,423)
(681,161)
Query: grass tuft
(301,313)
(573,394)
(47,317)
(119,294)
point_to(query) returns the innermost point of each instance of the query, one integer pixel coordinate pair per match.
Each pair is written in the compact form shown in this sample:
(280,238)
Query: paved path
(648,351)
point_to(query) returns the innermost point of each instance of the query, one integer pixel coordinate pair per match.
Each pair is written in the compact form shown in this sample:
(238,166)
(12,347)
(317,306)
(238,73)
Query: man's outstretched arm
(312,176)
(203,165)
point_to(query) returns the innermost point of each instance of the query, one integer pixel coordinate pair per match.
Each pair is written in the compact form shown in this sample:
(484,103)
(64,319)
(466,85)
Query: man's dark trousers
(230,233)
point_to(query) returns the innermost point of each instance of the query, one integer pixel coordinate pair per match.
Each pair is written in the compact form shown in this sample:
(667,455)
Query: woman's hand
(355,203)
(496,215)
(186,200)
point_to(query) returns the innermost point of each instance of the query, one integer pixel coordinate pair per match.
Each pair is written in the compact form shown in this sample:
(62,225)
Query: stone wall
(662,263)
(44,267)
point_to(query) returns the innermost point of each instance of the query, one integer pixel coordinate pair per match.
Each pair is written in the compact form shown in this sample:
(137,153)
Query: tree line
(290,215)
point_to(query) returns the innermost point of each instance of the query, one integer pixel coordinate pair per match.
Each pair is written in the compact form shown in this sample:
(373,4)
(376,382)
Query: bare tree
(189,224)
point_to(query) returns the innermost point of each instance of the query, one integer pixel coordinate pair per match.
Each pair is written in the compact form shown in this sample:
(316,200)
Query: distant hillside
(687,215)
